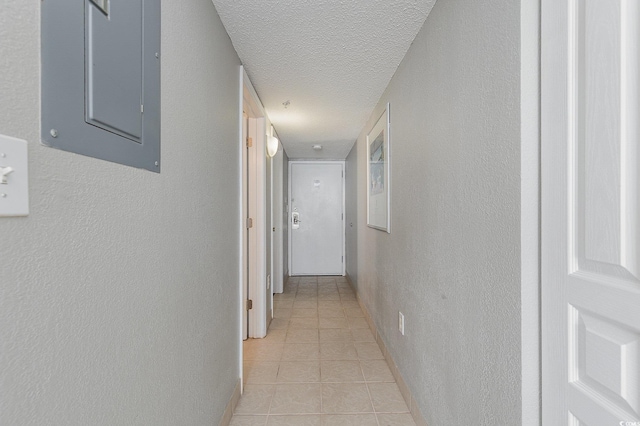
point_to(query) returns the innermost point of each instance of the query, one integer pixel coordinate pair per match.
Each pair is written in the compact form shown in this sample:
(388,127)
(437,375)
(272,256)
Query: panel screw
(157,163)
(3,155)
(3,195)
(54,133)
(157,55)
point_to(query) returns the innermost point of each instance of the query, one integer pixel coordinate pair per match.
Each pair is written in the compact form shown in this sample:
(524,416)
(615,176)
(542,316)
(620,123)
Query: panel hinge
(141,109)
(249,304)
(249,142)
(342,259)
(249,223)
(342,216)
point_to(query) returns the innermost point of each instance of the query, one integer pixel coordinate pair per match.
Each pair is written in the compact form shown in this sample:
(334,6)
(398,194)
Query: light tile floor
(319,364)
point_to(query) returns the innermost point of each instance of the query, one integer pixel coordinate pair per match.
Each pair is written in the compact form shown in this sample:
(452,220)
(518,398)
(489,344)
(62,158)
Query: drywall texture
(118,292)
(351,214)
(330,59)
(452,261)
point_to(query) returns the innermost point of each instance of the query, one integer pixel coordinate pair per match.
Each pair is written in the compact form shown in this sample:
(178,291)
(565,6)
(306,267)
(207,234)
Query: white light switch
(14,177)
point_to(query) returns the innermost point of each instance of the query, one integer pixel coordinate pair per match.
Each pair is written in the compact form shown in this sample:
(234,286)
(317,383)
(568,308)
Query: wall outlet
(401,322)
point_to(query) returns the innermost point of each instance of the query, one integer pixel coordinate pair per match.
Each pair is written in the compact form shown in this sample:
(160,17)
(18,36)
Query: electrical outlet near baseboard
(401,322)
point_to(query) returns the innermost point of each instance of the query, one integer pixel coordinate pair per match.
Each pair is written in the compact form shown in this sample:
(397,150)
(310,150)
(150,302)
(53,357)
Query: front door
(316,220)
(590,212)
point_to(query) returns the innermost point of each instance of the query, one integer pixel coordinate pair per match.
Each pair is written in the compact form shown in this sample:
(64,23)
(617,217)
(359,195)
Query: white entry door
(590,212)
(316,220)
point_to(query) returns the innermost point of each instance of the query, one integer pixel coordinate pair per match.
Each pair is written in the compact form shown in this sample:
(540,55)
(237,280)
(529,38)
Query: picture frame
(378,174)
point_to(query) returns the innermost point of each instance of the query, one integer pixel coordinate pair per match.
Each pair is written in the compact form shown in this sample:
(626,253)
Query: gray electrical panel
(101,79)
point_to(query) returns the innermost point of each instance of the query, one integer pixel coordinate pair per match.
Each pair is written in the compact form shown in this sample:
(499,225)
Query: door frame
(252,267)
(344,229)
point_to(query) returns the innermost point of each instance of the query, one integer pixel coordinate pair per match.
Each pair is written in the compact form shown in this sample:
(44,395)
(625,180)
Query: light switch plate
(14,195)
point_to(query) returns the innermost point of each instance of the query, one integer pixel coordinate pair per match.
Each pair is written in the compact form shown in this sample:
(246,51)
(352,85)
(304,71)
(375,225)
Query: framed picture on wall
(378,176)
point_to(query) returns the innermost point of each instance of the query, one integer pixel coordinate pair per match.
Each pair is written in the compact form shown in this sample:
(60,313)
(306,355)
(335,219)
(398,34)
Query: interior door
(316,226)
(590,212)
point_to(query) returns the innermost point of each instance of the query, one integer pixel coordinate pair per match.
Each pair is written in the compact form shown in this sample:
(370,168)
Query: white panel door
(316,226)
(590,212)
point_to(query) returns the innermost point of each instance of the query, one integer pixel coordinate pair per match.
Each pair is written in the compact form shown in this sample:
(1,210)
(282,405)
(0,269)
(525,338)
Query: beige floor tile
(299,371)
(335,334)
(304,297)
(333,323)
(296,398)
(255,349)
(327,287)
(338,351)
(349,420)
(345,398)
(275,335)
(283,303)
(306,287)
(386,398)
(368,350)
(395,420)
(256,399)
(301,335)
(329,304)
(260,372)
(295,420)
(248,420)
(279,324)
(340,371)
(350,304)
(303,323)
(331,313)
(304,313)
(354,312)
(283,296)
(329,296)
(358,323)
(282,313)
(329,284)
(301,351)
(348,297)
(362,335)
(305,304)
(376,370)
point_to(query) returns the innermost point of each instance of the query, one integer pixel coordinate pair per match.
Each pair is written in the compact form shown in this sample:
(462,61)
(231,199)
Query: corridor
(319,364)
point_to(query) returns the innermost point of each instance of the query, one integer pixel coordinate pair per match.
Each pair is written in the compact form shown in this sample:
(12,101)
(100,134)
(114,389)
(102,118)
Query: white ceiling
(331,59)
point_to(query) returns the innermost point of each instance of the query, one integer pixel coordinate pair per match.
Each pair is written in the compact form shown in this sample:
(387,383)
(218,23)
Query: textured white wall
(351,214)
(118,293)
(452,261)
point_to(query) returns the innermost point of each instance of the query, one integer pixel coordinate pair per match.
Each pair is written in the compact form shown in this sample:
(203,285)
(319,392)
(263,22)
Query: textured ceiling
(331,59)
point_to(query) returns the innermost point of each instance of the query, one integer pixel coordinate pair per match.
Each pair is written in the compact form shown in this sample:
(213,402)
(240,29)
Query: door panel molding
(590,212)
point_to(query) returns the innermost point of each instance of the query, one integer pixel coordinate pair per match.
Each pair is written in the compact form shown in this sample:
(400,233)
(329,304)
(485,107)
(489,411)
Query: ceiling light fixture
(317,147)
(272,144)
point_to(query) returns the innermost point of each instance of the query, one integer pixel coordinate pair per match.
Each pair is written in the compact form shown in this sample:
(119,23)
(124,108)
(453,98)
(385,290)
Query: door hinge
(342,259)
(249,304)
(249,223)
(249,142)
(342,216)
